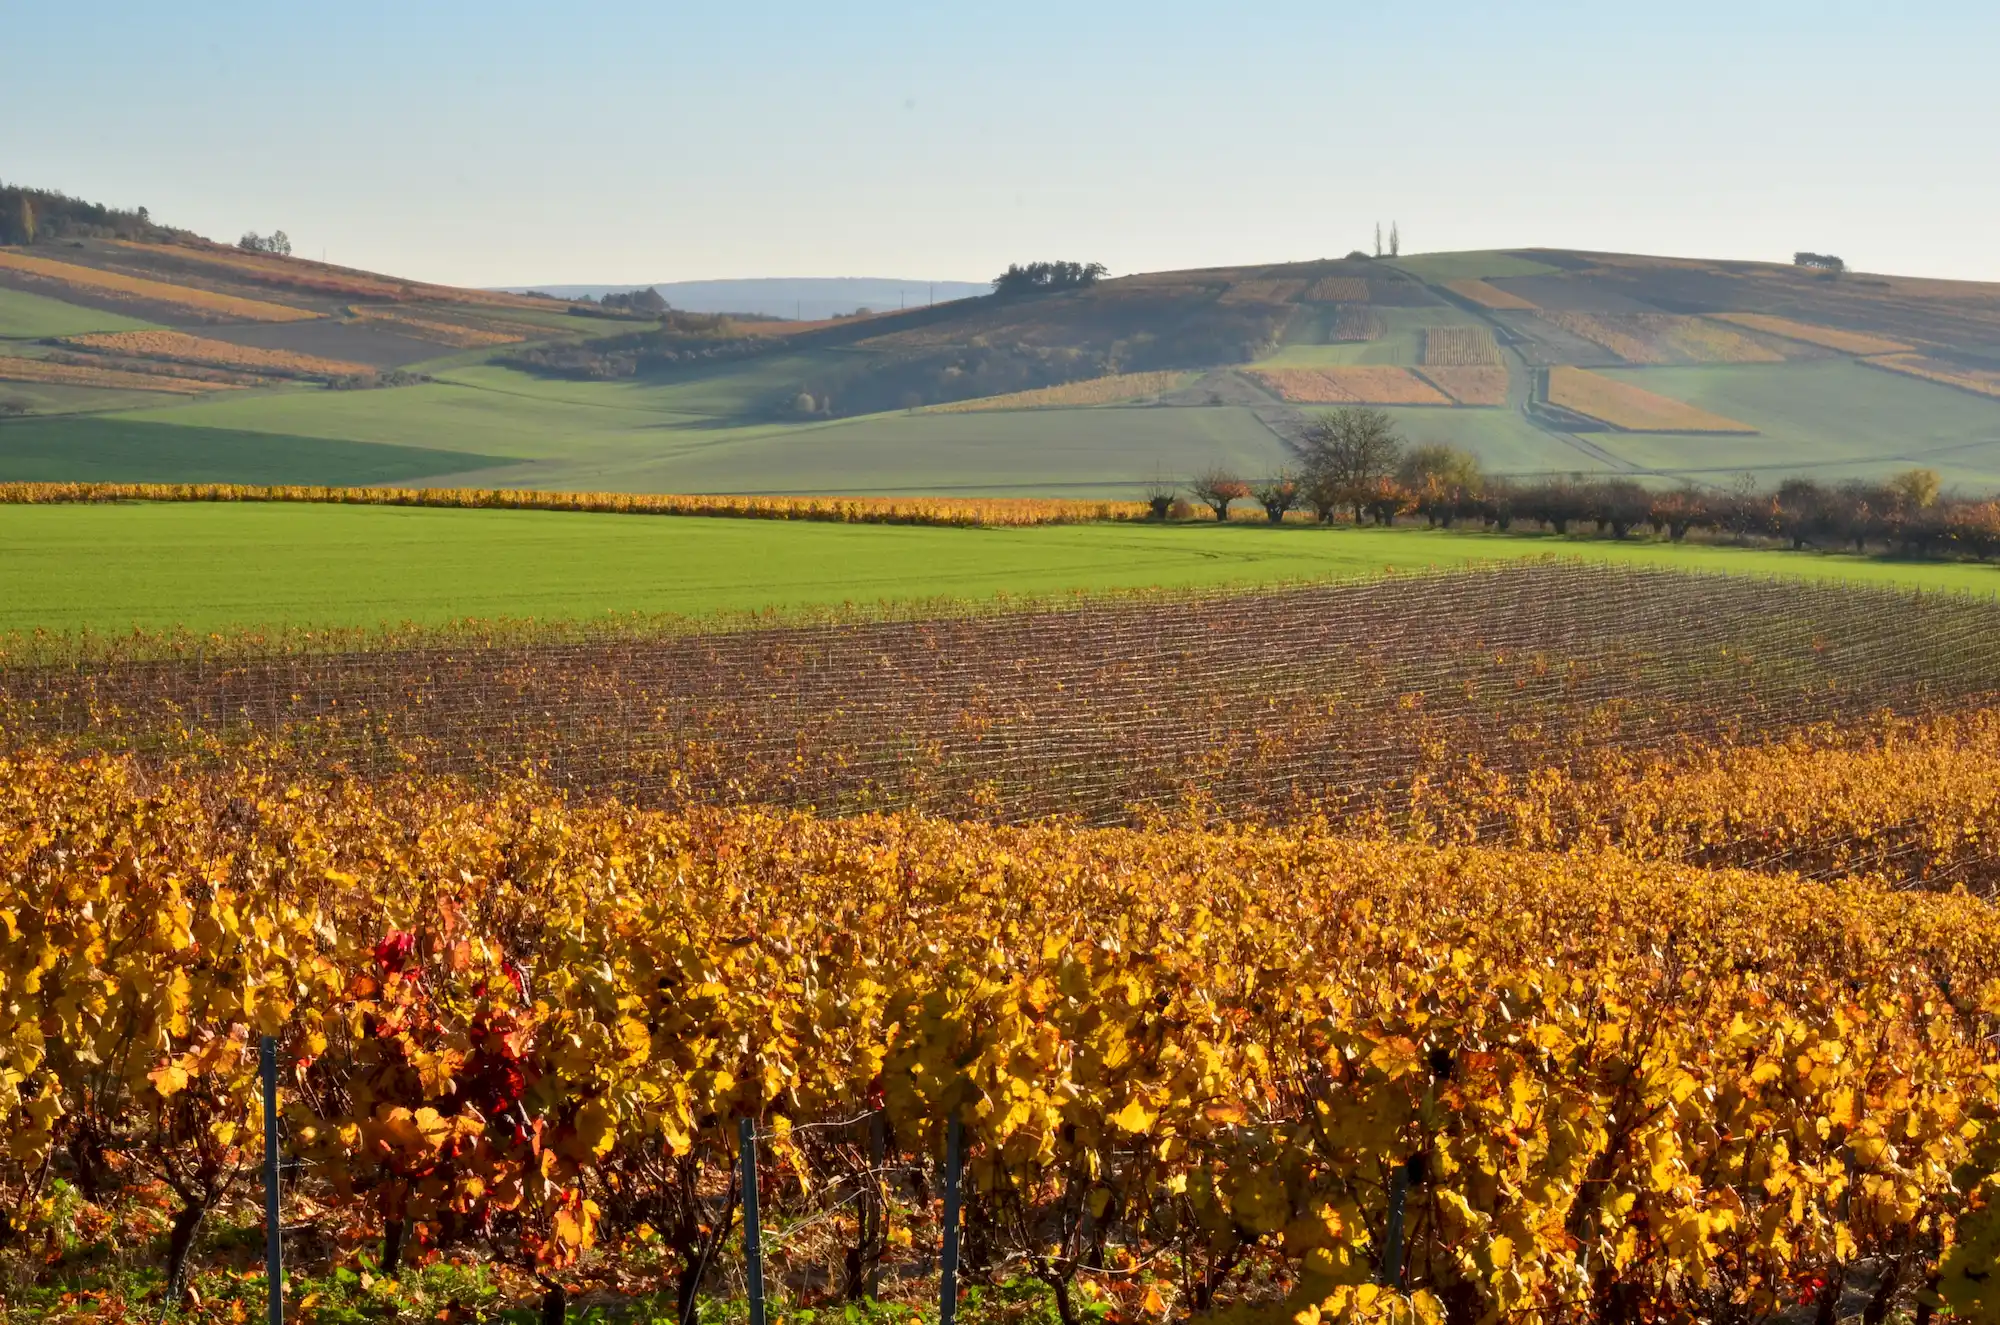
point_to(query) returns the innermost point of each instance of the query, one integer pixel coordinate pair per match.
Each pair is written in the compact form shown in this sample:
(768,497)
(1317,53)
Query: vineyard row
(1345,700)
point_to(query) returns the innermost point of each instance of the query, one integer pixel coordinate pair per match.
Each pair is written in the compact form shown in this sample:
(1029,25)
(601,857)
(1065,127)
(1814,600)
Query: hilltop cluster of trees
(1042,277)
(1352,464)
(31,215)
(1826,262)
(647,302)
(277,242)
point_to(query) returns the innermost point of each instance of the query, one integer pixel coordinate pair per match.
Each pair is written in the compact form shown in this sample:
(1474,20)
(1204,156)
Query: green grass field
(123,449)
(489,426)
(211,567)
(680,437)
(1829,419)
(1472,266)
(25,316)
(45,399)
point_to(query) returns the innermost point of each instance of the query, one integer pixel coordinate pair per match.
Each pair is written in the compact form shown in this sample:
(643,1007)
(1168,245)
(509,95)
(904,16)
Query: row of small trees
(1353,465)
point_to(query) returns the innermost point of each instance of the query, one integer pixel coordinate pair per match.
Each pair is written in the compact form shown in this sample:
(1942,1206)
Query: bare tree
(1346,453)
(1216,489)
(1395,240)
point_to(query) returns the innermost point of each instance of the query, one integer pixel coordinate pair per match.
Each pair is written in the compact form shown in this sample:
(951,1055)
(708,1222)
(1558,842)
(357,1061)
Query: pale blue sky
(499,142)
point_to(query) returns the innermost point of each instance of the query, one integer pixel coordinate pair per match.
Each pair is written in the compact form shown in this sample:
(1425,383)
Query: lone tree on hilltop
(1045,277)
(1346,454)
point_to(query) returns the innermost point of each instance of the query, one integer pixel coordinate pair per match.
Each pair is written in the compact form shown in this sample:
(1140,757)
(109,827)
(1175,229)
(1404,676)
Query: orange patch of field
(1094,391)
(178,346)
(1711,342)
(321,278)
(1469,386)
(456,334)
(137,287)
(1629,339)
(1459,347)
(1338,290)
(294,273)
(1631,408)
(14,369)
(1350,384)
(959,512)
(1983,381)
(1488,296)
(1657,338)
(1830,338)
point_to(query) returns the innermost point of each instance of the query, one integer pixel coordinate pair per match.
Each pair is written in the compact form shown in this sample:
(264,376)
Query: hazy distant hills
(131,358)
(809,298)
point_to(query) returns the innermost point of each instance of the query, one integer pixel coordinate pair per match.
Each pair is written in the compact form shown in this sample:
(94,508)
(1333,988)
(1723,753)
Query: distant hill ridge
(810,298)
(1536,361)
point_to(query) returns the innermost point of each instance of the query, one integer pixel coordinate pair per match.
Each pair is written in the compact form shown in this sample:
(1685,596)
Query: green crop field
(678,437)
(1503,439)
(1831,419)
(44,399)
(1470,266)
(211,567)
(124,449)
(491,426)
(25,316)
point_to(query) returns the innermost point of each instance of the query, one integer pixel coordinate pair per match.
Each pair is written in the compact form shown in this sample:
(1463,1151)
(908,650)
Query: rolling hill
(784,296)
(164,357)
